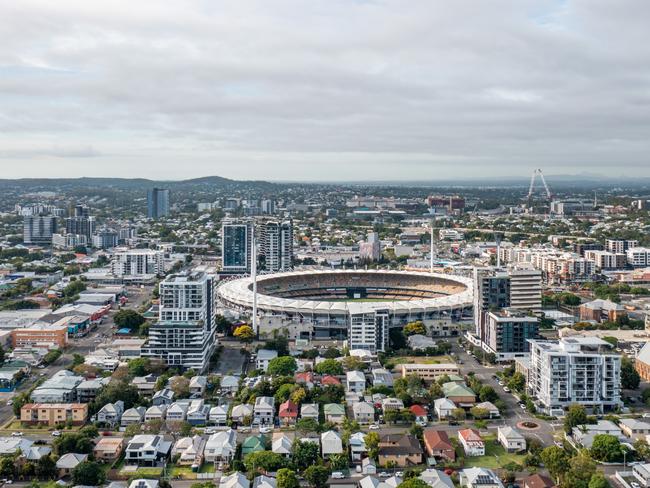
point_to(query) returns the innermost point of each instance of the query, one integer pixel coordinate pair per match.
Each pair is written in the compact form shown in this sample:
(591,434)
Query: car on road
(17,434)
(374,427)
(384,474)
(399,474)
(56,433)
(337,475)
(421,423)
(634,484)
(523,407)
(243,429)
(210,430)
(10,403)
(506,389)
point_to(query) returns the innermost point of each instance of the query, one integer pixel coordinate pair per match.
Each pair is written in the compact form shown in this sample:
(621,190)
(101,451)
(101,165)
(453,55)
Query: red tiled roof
(288,409)
(470,435)
(330,380)
(418,411)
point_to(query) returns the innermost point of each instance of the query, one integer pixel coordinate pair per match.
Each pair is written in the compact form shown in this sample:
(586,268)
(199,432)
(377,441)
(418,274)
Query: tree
(88,473)
(329,366)
(305,454)
(115,391)
(642,448)
(338,462)
(7,466)
(46,468)
(264,460)
(556,461)
(317,476)
(372,440)
(606,448)
(244,333)
(139,366)
(128,319)
(331,353)
(286,478)
(517,382)
(487,394)
(351,363)
(180,386)
(598,480)
(413,328)
(2,355)
(479,413)
(576,415)
(307,425)
(458,414)
(630,378)
(298,395)
(282,366)
(413,483)
(581,469)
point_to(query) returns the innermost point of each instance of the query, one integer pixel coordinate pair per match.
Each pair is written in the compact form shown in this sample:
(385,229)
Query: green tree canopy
(88,473)
(329,366)
(282,366)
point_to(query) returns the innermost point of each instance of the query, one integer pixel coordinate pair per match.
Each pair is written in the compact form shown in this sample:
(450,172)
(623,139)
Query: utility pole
(431,246)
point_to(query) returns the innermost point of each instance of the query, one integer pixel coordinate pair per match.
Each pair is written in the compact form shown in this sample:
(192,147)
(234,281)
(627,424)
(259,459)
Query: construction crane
(532,186)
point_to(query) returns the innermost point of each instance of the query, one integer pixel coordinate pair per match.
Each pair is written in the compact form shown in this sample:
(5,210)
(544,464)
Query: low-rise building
(54,413)
(264,411)
(68,462)
(429,372)
(635,428)
(331,444)
(147,450)
(334,413)
(511,439)
(108,449)
(264,357)
(40,335)
(309,411)
(472,442)
(221,447)
(438,445)
(400,450)
(133,416)
(444,408)
(355,381)
(479,478)
(459,393)
(364,412)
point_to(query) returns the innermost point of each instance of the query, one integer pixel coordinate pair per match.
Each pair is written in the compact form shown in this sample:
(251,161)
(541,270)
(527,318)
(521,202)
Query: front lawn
(495,457)
(142,472)
(182,472)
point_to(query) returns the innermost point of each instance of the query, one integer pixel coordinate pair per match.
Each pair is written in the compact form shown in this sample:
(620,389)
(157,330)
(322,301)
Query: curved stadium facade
(360,304)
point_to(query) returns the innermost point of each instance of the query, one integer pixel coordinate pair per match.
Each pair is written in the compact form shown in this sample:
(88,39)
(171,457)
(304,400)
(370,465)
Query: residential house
(108,449)
(459,393)
(264,411)
(282,444)
(329,380)
(538,481)
(147,450)
(177,411)
(331,444)
(111,413)
(479,478)
(305,379)
(263,481)
(218,415)
(401,450)
(241,412)
(137,483)
(372,482)
(253,443)
(584,434)
(420,413)
(264,357)
(390,403)
(198,412)
(511,439)
(133,416)
(146,385)
(60,388)
(491,408)
(288,413)
(641,473)
(66,463)
(188,451)
(198,385)
(87,390)
(436,479)
(221,447)
(358,449)
(157,412)
(364,412)
(368,466)
(235,480)
(334,413)
(472,442)
(14,445)
(309,411)
(229,384)
(438,445)
(635,428)
(444,408)
(382,377)
(163,397)
(355,381)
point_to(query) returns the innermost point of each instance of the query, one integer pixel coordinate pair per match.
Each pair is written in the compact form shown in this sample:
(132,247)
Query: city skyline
(343,91)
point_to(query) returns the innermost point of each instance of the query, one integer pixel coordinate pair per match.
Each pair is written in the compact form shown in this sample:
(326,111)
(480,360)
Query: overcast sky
(324,89)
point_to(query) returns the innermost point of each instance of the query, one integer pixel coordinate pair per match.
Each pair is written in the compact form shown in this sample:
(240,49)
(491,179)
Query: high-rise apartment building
(138,262)
(370,249)
(157,203)
(620,246)
(184,336)
(277,245)
(38,229)
(368,331)
(578,370)
(236,246)
(507,333)
(491,292)
(105,239)
(81,223)
(525,288)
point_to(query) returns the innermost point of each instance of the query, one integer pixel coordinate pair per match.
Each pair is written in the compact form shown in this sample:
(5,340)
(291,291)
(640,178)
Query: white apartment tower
(574,370)
(138,262)
(184,336)
(277,245)
(369,330)
(525,288)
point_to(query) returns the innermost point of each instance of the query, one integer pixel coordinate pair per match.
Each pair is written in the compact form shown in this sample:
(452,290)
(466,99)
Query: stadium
(349,303)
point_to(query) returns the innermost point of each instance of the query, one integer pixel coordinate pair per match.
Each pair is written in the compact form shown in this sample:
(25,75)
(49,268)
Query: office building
(184,336)
(39,229)
(81,223)
(370,249)
(157,203)
(507,333)
(138,262)
(277,245)
(237,246)
(574,370)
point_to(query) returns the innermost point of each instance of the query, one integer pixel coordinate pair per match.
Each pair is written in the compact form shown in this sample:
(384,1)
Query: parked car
(373,427)
(384,474)
(56,433)
(17,434)
(337,475)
